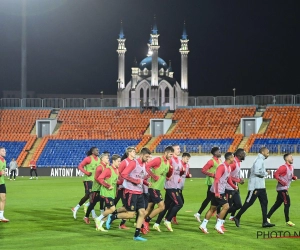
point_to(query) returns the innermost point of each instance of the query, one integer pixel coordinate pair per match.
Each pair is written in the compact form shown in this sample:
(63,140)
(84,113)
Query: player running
(2,184)
(173,200)
(134,177)
(88,167)
(108,180)
(222,177)
(127,158)
(184,173)
(95,194)
(209,170)
(158,169)
(284,175)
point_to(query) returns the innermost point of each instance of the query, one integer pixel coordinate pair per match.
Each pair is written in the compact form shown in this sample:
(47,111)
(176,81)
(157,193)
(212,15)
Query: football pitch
(41,218)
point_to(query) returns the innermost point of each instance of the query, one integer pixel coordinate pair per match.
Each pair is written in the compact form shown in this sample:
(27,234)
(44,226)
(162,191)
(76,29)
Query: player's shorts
(154,196)
(88,186)
(95,197)
(218,201)
(2,189)
(109,202)
(134,202)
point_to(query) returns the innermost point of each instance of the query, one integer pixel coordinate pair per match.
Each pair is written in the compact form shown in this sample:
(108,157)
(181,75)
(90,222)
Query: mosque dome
(147,63)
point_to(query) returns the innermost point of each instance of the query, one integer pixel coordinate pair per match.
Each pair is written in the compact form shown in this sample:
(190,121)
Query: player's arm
(219,172)
(86,161)
(126,172)
(105,175)
(188,174)
(122,166)
(98,173)
(155,163)
(170,172)
(229,181)
(259,169)
(281,171)
(208,166)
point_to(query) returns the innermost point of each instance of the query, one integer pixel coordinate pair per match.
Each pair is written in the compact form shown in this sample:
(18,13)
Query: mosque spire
(121,35)
(154,29)
(184,34)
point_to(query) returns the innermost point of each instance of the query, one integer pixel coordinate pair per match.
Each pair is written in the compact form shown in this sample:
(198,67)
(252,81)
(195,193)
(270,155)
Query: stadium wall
(196,163)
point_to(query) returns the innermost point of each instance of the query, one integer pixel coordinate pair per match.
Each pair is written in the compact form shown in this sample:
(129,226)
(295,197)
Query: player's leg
(287,204)
(2,203)
(87,190)
(174,219)
(168,201)
(31,170)
(250,199)
(94,198)
(277,204)
(140,204)
(208,215)
(178,205)
(156,197)
(263,200)
(204,204)
(237,204)
(220,221)
(36,175)
(14,174)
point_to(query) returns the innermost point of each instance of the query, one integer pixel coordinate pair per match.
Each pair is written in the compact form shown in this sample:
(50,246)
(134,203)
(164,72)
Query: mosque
(152,83)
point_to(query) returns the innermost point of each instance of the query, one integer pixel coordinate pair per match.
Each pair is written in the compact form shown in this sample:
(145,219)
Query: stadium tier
(283,132)
(199,129)
(196,145)
(111,130)
(70,153)
(15,131)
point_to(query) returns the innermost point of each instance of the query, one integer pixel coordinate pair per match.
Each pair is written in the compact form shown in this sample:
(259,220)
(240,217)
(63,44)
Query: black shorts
(2,189)
(108,201)
(154,196)
(134,202)
(95,197)
(218,201)
(88,186)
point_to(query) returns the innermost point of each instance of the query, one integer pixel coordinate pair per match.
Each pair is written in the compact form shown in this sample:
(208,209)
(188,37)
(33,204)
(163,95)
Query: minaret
(154,48)
(149,44)
(134,74)
(121,52)
(184,59)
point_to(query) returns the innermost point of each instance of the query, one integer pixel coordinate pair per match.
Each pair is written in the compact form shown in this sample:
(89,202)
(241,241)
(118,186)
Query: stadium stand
(112,130)
(15,128)
(199,129)
(283,132)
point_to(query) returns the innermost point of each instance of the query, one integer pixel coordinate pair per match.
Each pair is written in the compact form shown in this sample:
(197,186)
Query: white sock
(198,214)
(204,223)
(101,223)
(219,223)
(231,217)
(101,217)
(156,225)
(1,214)
(87,204)
(94,214)
(77,207)
(168,221)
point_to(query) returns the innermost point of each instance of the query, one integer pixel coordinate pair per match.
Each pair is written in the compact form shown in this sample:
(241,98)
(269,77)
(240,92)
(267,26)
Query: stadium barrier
(74,172)
(193,101)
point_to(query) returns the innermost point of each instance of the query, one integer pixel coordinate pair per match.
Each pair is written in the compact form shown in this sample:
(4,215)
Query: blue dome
(147,63)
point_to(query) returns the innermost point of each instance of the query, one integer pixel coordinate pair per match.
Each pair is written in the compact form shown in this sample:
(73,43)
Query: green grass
(40,218)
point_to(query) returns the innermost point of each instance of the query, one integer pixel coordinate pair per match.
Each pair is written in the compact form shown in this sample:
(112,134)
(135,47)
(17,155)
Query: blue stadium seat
(192,145)
(70,153)
(290,145)
(13,149)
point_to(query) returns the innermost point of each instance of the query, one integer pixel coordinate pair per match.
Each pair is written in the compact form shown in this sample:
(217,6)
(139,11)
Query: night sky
(250,45)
